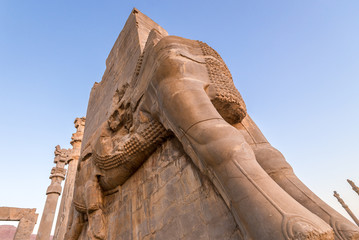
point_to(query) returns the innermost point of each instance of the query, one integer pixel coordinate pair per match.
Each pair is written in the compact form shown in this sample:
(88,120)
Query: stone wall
(168,198)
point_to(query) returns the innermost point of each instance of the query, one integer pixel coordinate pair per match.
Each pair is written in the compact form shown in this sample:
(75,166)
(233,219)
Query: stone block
(170,231)
(198,233)
(190,180)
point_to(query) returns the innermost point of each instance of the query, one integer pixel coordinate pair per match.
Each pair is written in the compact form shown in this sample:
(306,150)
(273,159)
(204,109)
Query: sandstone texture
(67,193)
(168,198)
(27,219)
(170,152)
(53,192)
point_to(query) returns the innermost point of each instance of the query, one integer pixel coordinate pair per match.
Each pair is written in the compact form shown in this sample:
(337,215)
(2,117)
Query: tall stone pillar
(67,195)
(355,188)
(53,192)
(351,214)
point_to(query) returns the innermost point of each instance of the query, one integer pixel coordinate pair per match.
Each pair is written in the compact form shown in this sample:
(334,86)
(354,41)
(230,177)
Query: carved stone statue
(157,88)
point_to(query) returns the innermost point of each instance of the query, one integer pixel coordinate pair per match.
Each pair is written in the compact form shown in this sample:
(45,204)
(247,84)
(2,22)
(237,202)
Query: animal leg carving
(274,163)
(94,204)
(179,86)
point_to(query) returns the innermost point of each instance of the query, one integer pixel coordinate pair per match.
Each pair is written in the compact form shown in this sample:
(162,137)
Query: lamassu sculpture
(158,87)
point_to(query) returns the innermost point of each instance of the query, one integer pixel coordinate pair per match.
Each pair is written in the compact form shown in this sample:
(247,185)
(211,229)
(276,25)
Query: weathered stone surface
(120,64)
(67,194)
(179,203)
(26,216)
(274,163)
(354,187)
(53,192)
(169,152)
(345,206)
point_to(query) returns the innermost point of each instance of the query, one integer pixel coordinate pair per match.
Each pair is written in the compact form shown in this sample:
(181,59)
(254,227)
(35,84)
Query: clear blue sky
(296,64)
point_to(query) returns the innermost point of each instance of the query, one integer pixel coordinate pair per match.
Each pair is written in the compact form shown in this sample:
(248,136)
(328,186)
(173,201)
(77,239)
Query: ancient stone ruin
(354,187)
(170,152)
(69,158)
(27,219)
(67,193)
(53,192)
(345,206)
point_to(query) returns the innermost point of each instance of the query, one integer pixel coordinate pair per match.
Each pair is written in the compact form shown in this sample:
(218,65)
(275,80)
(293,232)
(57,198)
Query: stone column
(351,214)
(53,192)
(355,188)
(67,195)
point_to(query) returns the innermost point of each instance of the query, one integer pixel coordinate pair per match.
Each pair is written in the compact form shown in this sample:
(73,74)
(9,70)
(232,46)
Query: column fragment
(53,192)
(62,218)
(351,214)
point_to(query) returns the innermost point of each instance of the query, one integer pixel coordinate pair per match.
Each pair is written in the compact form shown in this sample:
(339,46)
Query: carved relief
(180,88)
(228,101)
(134,147)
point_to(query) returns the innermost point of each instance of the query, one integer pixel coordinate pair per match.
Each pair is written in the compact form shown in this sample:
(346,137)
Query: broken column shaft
(355,188)
(341,201)
(53,192)
(64,211)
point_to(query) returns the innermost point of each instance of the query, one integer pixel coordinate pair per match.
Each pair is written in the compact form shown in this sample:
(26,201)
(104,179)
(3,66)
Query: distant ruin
(27,219)
(63,157)
(345,206)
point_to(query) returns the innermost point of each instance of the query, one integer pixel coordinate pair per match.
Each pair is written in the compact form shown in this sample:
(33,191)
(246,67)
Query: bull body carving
(183,89)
